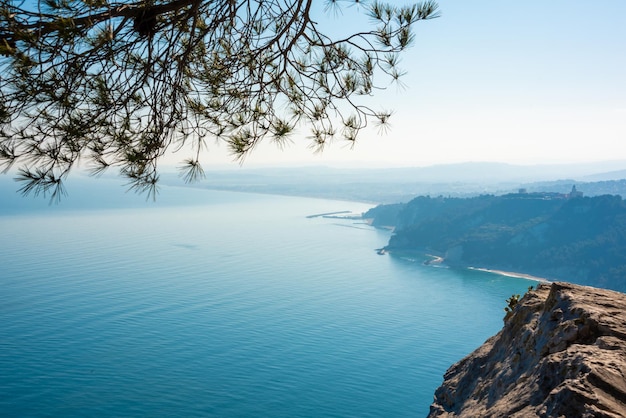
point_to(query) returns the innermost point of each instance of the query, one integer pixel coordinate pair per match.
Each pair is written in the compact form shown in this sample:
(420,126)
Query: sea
(223,304)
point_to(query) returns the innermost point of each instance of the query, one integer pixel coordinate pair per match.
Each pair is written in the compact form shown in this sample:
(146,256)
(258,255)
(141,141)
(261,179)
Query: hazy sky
(530,81)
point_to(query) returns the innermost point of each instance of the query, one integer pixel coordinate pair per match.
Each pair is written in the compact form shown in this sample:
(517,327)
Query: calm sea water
(223,304)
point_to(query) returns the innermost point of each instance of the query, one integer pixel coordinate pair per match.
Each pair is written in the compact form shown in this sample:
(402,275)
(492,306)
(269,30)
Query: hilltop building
(574,193)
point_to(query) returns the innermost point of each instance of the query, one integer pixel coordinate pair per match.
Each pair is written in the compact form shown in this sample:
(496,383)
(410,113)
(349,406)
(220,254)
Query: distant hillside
(595,188)
(611,175)
(580,239)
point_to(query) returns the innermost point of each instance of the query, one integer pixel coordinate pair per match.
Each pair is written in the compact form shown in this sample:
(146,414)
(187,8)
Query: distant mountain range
(401,184)
(397,184)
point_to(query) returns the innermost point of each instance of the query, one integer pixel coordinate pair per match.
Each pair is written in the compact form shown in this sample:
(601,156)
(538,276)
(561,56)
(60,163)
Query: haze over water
(231,304)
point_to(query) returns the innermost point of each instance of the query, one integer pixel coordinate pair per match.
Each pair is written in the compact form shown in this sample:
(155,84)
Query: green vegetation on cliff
(578,239)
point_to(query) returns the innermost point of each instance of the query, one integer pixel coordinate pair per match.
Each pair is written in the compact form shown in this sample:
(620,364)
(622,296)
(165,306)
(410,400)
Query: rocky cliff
(561,353)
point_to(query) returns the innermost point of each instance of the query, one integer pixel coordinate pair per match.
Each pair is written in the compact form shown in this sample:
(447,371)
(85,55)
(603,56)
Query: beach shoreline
(438,261)
(435,259)
(511,274)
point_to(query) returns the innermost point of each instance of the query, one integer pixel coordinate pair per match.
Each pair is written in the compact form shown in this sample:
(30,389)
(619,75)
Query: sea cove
(223,304)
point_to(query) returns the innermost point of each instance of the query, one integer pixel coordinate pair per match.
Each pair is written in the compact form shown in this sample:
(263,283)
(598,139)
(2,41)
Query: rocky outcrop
(561,353)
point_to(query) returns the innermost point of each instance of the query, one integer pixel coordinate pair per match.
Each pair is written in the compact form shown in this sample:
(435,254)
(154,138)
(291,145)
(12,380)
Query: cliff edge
(561,353)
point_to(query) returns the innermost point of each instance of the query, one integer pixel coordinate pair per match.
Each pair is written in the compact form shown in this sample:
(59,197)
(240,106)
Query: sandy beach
(434,260)
(437,260)
(511,274)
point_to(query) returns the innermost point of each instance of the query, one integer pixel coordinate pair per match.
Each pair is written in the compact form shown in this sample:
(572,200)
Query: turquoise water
(224,305)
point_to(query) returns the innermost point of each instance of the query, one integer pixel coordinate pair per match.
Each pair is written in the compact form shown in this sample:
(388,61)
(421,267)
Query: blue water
(223,304)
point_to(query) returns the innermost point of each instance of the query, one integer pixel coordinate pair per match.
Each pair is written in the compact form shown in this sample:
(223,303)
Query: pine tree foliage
(117,84)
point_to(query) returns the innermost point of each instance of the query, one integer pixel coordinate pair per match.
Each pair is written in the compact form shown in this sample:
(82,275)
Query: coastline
(439,261)
(511,274)
(435,259)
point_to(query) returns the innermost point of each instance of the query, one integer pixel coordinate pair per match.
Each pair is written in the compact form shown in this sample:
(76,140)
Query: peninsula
(551,235)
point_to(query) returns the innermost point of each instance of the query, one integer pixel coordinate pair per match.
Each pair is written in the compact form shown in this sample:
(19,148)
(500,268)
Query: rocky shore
(561,353)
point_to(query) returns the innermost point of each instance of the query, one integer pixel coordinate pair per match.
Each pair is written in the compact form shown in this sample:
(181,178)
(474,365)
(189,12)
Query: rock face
(561,353)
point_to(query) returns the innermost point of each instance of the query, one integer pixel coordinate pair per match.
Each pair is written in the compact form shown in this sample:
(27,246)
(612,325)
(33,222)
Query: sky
(522,82)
